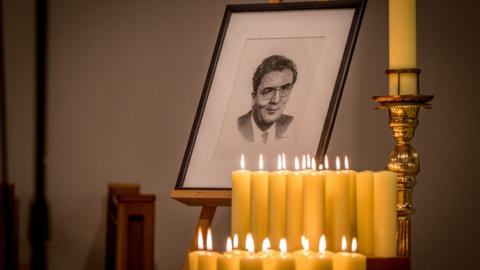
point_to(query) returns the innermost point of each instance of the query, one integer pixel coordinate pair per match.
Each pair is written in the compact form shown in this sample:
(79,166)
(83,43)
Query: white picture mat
(333,25)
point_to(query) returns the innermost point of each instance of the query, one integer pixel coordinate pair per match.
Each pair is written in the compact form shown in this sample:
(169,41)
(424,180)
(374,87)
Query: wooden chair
(130,228)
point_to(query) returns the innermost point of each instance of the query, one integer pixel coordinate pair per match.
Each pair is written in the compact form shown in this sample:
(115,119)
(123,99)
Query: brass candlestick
(403,119)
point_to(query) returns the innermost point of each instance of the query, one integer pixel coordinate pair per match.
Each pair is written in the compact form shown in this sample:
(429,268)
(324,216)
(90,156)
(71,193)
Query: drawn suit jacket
(245,122)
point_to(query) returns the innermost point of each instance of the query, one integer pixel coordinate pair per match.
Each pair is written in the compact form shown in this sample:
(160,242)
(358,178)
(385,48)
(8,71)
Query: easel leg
(204,222)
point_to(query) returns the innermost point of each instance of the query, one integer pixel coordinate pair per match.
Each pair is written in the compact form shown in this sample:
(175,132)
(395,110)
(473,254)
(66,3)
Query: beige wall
(125,79)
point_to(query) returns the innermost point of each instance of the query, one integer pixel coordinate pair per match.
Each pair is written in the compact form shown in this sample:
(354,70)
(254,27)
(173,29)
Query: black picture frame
(357,5)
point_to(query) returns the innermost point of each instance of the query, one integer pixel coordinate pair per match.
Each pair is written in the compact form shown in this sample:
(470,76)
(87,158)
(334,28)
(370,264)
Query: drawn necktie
(264,137)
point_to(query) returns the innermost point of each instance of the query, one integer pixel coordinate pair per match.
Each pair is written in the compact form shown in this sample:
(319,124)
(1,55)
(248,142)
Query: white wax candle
(294,208)
(259,205)
(276,205)
(313,205)
(240,214)
(365,215)
(349,261)
(322,260)
(403,42)
(229,260)
(301,255)
(250,261)
(267,254)
(203,260)
(337,189)
(385,214)
(284,261)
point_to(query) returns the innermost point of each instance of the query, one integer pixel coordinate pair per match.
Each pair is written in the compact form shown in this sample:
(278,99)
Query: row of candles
(311,202)
(269,259)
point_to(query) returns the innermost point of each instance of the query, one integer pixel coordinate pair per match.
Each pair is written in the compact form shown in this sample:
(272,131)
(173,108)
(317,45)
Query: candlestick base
(403,120)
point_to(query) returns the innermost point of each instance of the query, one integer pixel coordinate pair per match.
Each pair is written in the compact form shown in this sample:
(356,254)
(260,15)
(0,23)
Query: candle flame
(283,245)
(320,167)
(242,162)
(235,241)
(260,162)
(308,162)
(306,244)
(284,161)
(304,163)
(337,163)
(297,164)
(249,243)
(200,239)
(354,245)
(266,244)
(322,247)
(229,244)
(314,164)
(209,239)
(279,162)
(346,163)
(344,243)
(326,163)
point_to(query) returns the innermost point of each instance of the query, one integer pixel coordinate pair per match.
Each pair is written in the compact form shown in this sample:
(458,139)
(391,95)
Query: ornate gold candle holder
(403,120)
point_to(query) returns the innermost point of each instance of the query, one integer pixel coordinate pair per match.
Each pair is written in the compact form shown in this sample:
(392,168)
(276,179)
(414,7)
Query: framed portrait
(273,86)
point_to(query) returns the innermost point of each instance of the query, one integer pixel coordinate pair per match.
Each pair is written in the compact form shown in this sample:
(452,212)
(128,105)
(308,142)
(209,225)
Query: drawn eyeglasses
(269,92)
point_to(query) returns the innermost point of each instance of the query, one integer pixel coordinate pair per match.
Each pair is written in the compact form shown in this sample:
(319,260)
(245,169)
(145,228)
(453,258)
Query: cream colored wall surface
(126,77)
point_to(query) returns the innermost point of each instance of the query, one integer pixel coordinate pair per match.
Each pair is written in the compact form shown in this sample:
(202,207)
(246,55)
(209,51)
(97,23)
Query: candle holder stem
(403,120)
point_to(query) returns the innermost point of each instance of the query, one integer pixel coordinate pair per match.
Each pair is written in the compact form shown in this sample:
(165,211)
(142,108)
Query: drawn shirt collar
(257,132)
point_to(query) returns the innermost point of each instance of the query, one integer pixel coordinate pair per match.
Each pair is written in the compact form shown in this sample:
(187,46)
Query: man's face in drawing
(271,97)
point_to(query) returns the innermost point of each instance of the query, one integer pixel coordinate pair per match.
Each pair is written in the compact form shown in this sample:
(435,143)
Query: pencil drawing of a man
(272,84)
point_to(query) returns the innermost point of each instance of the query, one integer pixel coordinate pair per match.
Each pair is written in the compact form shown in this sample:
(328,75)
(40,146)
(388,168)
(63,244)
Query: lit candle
(241,201)
(301,255)
(294,207)
(385,214)
(267,250)
(229,260)
(365,212)
(266,254)
(337,189)
(403,42)
(322,246)
(208,260)
(276,203)
(284,261)
(349,261)
(201,259)
(352,209)
(236,251)
(259,204)
(313,205)
(328,200)
(321,260)
(250,261)
(193,256)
